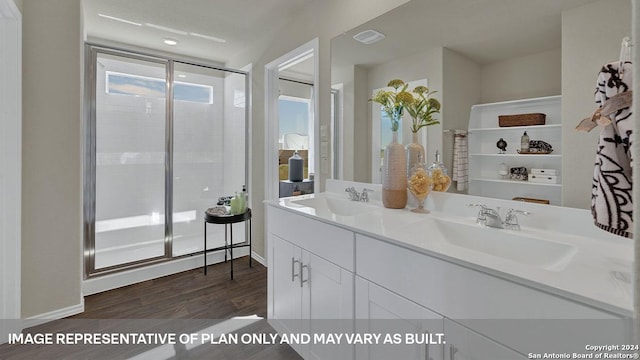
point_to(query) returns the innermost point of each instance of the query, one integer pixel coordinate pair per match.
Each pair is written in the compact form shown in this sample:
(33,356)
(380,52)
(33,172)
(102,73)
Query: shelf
(533,156)
(484,132)
(525,102)
(519,128)
(516,182)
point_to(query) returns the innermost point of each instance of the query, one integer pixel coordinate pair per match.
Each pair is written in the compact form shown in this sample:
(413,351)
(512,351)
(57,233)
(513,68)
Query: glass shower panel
(130,160)
(208,152)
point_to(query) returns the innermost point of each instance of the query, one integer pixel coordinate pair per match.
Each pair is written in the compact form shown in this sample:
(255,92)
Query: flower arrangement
(421,107)
(394,102)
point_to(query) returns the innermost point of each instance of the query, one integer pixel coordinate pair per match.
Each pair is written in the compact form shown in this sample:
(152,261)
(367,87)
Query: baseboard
(259,258)
(116,280)
(53,315)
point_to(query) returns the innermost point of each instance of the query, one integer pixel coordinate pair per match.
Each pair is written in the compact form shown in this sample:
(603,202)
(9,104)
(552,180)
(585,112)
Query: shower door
(130,153)
(208,151)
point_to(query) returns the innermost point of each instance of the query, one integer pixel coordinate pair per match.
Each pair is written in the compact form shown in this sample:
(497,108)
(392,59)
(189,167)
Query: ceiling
(145,23)
(485,31)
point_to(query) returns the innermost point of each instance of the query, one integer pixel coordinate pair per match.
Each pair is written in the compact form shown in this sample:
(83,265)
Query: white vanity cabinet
(381,311)
(465,344)
(304,285)
(368,283)
(506,314)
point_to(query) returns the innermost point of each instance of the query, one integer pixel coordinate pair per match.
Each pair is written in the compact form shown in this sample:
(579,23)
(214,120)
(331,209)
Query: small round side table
(227,220)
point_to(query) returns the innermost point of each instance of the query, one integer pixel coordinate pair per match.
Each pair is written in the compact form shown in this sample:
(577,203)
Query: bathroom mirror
(476,52)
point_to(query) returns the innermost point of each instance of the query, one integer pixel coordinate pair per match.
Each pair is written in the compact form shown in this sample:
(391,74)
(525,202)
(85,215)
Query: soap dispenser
(524,143)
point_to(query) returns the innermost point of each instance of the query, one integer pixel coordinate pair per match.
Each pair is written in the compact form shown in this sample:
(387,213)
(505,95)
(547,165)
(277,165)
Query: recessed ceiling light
(182,75)
(171,42)
(369,36)
(119,19)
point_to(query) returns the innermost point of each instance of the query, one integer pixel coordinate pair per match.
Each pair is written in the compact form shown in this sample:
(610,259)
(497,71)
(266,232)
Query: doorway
(295,123)
(286,68)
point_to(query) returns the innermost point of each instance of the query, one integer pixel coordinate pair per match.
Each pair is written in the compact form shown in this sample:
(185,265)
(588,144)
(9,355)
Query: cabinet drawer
(477,299)
(326,241)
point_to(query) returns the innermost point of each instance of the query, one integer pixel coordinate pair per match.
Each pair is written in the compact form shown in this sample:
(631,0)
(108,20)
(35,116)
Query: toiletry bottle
(245,196)
(241,204)
(524,143)
(234,205)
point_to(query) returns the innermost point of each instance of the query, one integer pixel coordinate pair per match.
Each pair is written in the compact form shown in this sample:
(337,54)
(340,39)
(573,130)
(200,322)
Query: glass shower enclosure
(164,139)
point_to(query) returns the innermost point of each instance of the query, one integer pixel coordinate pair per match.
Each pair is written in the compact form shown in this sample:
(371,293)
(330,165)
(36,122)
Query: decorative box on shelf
(518,173)
(533,200)
(546,179)
(522,119)
(544,171)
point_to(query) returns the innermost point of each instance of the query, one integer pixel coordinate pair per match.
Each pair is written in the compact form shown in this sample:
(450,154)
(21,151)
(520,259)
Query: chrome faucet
(354,195)
(511,221)
(491,218)
(488,217)
(364,197)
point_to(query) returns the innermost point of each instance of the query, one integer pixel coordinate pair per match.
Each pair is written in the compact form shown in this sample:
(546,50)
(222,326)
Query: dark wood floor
(183,303)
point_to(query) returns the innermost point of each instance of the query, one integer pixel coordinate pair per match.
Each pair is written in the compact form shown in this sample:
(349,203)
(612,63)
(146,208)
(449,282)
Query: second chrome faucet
(491,217)
(354,195)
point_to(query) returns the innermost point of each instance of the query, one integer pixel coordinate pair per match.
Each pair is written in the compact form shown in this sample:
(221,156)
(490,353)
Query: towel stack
(460,159)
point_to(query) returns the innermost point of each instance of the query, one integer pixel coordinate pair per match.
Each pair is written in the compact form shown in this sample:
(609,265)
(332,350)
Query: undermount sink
(328,205)
(507,244)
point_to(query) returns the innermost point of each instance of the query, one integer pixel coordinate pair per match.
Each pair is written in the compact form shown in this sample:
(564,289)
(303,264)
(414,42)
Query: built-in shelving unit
(484,158)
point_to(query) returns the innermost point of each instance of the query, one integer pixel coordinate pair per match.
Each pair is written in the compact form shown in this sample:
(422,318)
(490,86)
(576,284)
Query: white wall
(427,64)
(10,167)
(524,77)
(461,89)
(589,40)
(324,20)
(52,148)
(360,147)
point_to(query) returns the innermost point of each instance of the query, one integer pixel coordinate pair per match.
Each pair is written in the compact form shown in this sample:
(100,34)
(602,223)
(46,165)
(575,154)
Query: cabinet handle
(293,269)
(302,266)
(452,352)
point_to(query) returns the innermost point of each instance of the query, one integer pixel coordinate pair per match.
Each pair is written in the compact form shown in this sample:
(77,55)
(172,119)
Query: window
(144,86)
(294,120)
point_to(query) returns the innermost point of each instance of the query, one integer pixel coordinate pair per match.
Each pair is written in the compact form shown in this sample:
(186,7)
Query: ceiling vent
(369,36)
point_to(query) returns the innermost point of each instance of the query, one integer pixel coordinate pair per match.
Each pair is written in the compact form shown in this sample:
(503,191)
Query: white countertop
(598,272)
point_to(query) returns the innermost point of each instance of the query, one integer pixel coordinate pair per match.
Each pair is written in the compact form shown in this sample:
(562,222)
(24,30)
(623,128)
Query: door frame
(272,71)
(10,167)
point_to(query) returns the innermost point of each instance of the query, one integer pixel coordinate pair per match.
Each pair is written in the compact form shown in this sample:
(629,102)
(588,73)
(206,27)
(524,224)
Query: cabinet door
(327,299)
(286,293)
(380,311)
(465,344)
